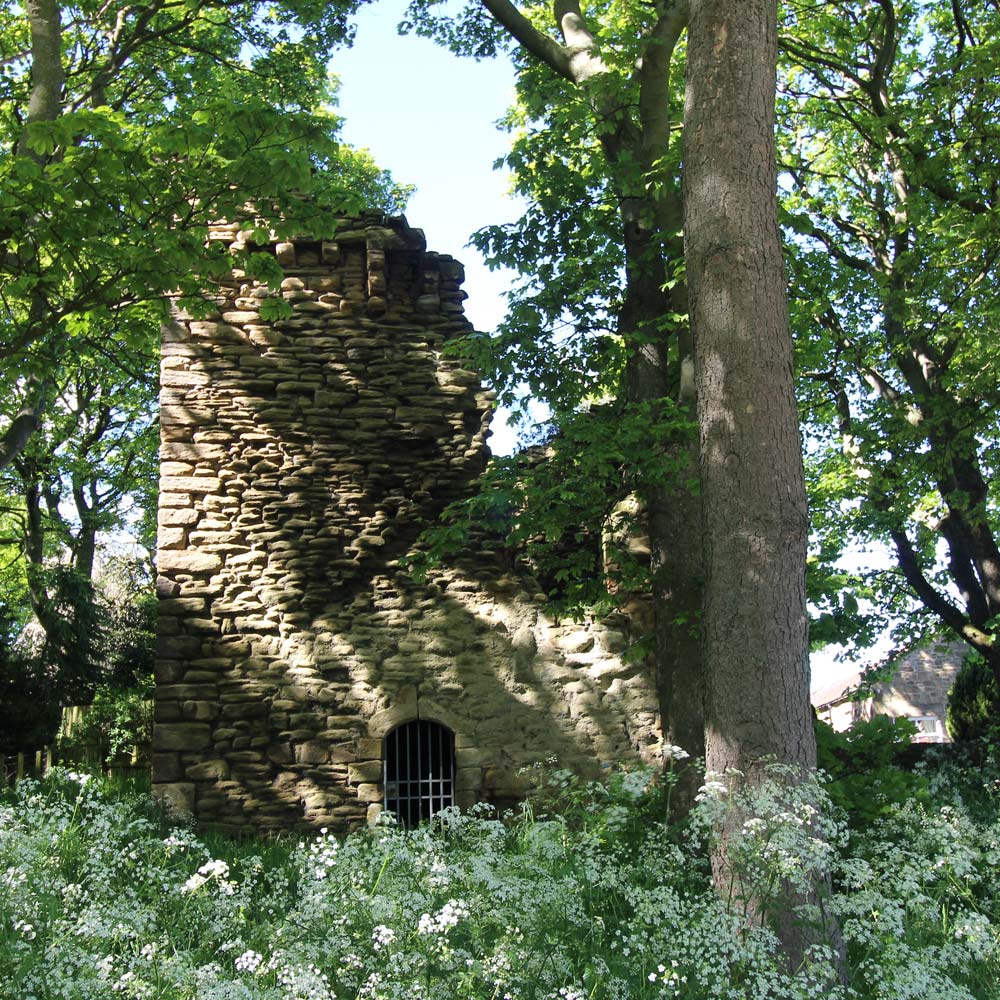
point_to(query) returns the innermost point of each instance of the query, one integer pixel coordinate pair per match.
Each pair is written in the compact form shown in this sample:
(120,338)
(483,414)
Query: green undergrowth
(586,893)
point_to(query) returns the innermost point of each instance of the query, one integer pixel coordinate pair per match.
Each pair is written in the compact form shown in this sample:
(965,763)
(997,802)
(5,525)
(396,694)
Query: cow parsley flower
(215,869)
(25,929)
(382,936)
(443,921)
(249,961)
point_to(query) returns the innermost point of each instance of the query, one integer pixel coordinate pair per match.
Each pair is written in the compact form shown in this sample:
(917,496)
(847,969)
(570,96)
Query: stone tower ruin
(303,676)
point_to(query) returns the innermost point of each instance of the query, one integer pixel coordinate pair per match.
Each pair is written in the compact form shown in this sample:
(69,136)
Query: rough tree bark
(754,516)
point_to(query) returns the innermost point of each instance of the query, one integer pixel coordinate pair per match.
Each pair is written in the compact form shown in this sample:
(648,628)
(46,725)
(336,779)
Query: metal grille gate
(419,771)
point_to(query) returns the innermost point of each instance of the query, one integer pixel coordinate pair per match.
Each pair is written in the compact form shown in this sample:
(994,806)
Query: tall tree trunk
(754,517)
(676,562)
(44,105)
(672,508)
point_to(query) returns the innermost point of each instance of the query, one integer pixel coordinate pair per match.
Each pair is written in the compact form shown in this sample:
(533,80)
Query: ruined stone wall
(300,458)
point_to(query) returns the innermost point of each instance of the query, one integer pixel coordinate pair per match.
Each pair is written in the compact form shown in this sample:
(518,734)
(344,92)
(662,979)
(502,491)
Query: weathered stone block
(200,711)
(244,710)
(370,793)
(174,500)
(190,484)
(209,770)
(170,538)
(280,753)
(175,561)
(185,736)
(219,333)
(177,797)
(173,516)
(167,711)
(176,377)
(167,625)
(185,415)
(312,752)
(167,767)
(181,647)
(343,753)
(366,771)
(188,692)
(168,671)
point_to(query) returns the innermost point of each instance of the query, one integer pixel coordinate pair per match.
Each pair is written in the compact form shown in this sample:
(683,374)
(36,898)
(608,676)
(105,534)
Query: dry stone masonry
(300,459)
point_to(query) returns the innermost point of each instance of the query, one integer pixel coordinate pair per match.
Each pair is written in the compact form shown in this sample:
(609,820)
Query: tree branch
(807,227)
(548,50)
(654,80)
(24,424)
(47,75)
(943,608)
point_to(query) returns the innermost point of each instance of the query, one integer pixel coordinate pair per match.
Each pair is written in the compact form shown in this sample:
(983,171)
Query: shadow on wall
(300,460)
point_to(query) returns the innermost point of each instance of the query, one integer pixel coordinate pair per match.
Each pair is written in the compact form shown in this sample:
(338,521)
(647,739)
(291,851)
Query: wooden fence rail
(34,763)
(27,765)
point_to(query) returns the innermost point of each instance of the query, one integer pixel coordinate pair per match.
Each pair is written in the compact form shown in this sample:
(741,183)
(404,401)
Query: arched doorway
(418,770)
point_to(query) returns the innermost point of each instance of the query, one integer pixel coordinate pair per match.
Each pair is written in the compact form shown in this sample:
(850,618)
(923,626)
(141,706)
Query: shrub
(864,767)
(118,720)
(974,702)
(129,648)
(29,707)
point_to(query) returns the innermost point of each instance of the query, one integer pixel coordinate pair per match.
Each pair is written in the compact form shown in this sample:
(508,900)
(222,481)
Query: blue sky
(428,116)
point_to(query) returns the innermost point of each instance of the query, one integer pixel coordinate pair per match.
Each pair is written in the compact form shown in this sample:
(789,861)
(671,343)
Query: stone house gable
(917,689)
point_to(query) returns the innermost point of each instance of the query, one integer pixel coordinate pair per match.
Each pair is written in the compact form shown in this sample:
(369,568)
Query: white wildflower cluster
(780,829)
(568,993)
(539,766)
(216,871)
(304,982)
(323,854)
(437,876)
(13,878)
(25,929)
(249,961)
(667,976)
(72,892)
(181,841)
(673,753)
(444,920)
(916,861)
(97,902)
(714,787)
(129,985)
(382,936)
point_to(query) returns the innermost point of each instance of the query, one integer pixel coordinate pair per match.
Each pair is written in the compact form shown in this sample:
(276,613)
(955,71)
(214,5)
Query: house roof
(834,687)
(837,684)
